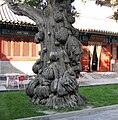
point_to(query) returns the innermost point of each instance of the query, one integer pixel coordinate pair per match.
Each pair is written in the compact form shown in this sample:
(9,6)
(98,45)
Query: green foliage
(33,3)
(107,3)
(115,16)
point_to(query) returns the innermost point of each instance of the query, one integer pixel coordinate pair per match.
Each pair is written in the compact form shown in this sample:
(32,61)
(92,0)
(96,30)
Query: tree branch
(22,9)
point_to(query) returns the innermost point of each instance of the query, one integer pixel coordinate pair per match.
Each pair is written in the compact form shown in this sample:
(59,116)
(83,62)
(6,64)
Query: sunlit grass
(100,95)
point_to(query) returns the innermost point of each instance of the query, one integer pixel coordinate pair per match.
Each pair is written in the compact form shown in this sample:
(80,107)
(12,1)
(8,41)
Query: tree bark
(55,84)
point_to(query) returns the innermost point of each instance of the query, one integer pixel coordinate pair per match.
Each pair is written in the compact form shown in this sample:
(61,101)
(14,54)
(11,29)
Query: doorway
(94,60)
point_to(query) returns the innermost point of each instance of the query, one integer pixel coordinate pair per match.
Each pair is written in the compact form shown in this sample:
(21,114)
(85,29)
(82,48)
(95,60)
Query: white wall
(24,66)
(16,67)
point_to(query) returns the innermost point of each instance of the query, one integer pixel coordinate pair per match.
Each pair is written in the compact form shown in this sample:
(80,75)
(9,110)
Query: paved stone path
(2,88)
(98,78)
(88,79)
(101,113)
(106,115)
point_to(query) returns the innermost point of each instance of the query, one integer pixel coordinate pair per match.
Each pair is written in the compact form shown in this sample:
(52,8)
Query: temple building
(18,52)
(99,38)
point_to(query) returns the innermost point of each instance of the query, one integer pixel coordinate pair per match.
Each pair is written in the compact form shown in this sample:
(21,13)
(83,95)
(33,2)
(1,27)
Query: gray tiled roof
(97,25)
(81,23)
(7,16)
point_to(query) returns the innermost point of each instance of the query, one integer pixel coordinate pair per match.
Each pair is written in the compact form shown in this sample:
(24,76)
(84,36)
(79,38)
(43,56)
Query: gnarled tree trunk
(59,65)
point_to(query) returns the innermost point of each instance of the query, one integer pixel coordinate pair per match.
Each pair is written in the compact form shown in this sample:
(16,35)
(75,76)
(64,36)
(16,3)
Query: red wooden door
(105,60)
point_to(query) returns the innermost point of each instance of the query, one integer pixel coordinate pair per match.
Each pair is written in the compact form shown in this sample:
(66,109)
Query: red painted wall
(85,59)
(105,57)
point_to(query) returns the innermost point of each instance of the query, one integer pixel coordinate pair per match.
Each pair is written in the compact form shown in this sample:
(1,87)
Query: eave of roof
(8,17)
(88,24)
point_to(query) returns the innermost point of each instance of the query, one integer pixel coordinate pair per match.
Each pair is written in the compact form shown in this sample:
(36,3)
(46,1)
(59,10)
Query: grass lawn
(100,95)
(15,105)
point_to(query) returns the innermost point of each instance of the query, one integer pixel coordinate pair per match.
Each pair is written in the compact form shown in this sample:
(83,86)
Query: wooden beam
(19,58)
(12,47)
(2,46)
(30,49)
(21,48)
(38,48)
(6,48)
(99,32)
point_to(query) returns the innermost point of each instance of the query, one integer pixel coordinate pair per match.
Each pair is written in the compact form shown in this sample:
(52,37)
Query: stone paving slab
(107,115)
(94,82)
(2,88)
(103,75)
(98,78)
(101,113)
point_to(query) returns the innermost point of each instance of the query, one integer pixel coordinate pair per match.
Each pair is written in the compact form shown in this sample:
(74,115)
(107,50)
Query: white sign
(112,61)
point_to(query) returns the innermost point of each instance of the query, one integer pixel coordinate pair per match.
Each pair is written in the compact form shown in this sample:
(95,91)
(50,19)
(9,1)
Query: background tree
(33,3)
(59,65)
(110,3)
